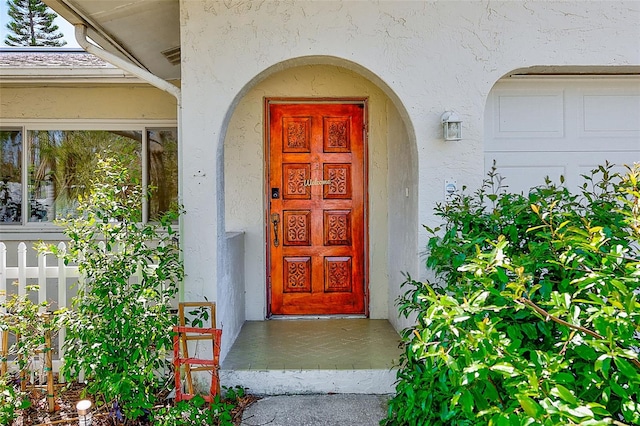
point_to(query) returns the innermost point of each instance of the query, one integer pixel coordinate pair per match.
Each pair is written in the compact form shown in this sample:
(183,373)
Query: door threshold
(314,317)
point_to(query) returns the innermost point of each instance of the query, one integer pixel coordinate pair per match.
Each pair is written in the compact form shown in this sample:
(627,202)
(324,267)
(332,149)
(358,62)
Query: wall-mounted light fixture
(451,126)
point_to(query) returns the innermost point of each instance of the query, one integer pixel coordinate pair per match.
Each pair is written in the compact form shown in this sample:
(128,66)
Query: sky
(64,27)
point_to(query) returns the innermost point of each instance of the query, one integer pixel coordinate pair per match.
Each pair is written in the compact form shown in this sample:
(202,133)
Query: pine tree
(32,25)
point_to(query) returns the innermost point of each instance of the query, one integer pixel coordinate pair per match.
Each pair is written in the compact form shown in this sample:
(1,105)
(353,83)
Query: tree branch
(566,344)
(547,316)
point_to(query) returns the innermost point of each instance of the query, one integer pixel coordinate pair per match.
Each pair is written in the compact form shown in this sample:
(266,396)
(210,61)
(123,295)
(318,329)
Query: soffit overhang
(144,32)
(576,71)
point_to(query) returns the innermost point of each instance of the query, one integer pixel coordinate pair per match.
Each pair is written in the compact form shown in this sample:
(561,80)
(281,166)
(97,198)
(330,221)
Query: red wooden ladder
(181,359)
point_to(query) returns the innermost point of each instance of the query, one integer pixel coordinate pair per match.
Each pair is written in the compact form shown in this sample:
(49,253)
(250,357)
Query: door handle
(275,219)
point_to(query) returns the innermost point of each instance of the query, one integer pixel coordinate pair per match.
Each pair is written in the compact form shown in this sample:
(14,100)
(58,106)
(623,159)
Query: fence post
(48,365)
(42,280)
(62,276)
(22,269)
(62,296)
(4,334)
(3,276)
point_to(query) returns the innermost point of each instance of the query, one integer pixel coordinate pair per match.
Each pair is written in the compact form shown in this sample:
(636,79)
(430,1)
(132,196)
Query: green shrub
(119,332)
(21,317)
(11,400)
(535,317)
(196,411)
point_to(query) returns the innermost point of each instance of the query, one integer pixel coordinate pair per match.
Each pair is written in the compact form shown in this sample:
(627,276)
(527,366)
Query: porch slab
(312,356)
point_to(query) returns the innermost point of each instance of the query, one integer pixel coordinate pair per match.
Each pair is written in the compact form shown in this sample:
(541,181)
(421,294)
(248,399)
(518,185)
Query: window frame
(25,126)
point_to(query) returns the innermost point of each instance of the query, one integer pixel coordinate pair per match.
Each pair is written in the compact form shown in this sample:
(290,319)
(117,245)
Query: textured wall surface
(426,57)
(86,102)
(230,305)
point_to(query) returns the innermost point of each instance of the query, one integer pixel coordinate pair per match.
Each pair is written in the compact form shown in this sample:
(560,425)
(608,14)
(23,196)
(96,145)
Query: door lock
(275,193)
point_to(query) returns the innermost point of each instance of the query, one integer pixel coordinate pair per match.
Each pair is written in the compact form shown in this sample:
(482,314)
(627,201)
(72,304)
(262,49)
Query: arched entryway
(392,175)
(282,356)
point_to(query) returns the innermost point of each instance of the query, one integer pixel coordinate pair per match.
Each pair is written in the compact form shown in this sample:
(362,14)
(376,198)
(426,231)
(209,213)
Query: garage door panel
(593,143)
(522,171)
(520,175)
(607,114)
(537,127)
(529,115)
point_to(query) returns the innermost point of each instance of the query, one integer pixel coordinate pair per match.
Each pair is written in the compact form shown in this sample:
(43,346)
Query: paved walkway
(317,410)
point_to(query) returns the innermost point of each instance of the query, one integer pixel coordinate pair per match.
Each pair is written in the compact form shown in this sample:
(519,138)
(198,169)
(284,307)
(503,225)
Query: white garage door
(550,126)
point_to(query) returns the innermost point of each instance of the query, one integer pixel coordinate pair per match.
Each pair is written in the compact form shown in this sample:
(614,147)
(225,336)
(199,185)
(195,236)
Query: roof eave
(66,75)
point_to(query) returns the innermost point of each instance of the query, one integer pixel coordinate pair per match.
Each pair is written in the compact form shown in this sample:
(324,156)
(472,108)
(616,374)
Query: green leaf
(531,407)
(618,390)
(631,411)
(603,364)
(627,369)
(504,368)
(580,412)
(564,393)
(502,275)
(467,402)
(564,377)
(586,352)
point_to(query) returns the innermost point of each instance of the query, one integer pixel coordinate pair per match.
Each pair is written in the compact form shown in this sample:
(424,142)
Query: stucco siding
(427,57)
(403,213)
(55,101)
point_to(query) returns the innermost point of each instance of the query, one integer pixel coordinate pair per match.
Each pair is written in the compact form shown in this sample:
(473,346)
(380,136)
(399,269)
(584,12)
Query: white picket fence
(47,275)
(24,275)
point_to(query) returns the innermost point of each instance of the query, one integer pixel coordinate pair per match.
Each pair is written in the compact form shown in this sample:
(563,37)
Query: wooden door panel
(316,165)
(298,134)
(339,176)
(337,274)
(337,131)
(297,275)
(295,175)
(337,228)
(296,228)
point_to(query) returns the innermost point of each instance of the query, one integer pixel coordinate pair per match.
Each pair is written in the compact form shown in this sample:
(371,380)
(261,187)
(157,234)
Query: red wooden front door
(316,211)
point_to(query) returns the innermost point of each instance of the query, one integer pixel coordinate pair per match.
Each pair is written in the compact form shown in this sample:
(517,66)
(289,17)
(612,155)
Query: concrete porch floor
(312,356)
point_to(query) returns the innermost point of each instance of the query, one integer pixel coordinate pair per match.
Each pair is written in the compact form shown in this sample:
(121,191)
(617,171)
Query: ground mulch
(66,415)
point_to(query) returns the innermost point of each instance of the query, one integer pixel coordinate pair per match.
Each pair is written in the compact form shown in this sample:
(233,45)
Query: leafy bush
(21,317)
(535,317)
(11,400)
(119,332)
(197,412)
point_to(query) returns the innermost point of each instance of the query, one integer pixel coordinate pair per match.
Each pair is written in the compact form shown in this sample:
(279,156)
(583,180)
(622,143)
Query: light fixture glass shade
(451,126)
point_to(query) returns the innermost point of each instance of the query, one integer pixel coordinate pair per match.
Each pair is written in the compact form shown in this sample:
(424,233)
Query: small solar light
(84,412)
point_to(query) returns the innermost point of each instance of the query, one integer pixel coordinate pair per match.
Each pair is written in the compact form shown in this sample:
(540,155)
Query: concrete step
(315,356)
(287,382)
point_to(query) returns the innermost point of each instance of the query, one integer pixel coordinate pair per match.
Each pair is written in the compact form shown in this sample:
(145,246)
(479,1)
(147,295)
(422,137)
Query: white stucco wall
(426,56)
(403,213)
(35,101)
(230,312)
